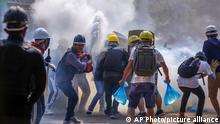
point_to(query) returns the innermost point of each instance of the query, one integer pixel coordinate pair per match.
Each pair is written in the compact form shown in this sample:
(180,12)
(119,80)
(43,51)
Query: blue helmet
(79,39)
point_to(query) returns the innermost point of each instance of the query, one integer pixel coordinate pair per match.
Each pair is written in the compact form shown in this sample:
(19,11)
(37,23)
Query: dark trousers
(38,110)
(68,90)
(111,85)
(14,120)
(199,93)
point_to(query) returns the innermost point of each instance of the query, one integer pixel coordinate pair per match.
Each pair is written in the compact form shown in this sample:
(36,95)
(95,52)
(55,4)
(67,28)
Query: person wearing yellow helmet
(114,62)
(142,64)
(132,41)
(112,40)
(147,37)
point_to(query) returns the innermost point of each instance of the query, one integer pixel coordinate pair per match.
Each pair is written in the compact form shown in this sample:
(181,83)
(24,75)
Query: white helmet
(41,33)
(211,30)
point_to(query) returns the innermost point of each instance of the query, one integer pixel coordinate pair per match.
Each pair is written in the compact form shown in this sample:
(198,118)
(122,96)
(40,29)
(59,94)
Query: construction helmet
(147,35)
(201,56)
(112,38)
(211,30)
(40,34)
(133,39)
(79,39)
(15,18)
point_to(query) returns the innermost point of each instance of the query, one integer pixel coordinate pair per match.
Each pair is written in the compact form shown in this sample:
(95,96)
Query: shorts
(213,86)
(138,90)
(157,92)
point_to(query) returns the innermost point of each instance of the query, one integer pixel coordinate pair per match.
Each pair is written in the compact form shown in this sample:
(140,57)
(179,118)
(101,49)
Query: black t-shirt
(22,78)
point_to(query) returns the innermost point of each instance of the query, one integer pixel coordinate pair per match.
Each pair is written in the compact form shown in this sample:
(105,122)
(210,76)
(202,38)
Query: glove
(89,67)
(48,59)
(214,65)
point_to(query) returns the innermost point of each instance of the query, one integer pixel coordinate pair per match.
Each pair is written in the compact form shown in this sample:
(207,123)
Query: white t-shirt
(145,79)
(193,81)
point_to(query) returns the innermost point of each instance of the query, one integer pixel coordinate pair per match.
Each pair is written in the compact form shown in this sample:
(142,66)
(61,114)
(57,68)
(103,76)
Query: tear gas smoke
(179,25)
(3,6)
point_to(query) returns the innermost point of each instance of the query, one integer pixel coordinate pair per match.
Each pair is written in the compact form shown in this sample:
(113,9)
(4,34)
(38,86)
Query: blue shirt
(211,48)
(68,67)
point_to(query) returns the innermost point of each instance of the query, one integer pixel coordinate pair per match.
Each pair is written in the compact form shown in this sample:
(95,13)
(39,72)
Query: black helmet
(201,56)
(15,18)
(79,39)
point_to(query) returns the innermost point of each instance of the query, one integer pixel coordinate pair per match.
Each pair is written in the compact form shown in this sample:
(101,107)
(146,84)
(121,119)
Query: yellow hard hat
(147,35)
(112,38)
(132,39)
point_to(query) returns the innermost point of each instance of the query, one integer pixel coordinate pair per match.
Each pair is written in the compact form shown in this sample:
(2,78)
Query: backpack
(189,67)
(114,60)
(144,61)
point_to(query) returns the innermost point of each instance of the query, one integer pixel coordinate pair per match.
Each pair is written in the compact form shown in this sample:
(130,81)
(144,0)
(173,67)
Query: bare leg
(150,113)
(141,106)
(131,113)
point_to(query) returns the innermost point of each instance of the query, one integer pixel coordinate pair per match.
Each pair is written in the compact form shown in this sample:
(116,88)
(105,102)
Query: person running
(68,66)
(143,79)
(21,67)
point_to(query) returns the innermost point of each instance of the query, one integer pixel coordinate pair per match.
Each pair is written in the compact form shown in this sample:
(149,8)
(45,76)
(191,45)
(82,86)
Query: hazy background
(179,26)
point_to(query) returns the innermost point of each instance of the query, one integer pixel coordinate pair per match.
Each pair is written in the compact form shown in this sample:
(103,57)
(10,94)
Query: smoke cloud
(179,25)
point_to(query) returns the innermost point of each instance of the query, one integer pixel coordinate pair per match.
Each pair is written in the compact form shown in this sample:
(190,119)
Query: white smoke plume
(178,25)
(66,18)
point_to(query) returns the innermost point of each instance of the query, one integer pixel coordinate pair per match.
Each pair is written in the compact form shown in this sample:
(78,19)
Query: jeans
(68,90)
(98,96)
(53,91)
(111,85)
(199,93)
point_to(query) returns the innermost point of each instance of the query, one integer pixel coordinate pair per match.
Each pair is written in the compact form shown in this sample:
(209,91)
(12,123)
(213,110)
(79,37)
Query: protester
(143,79)
(41,41)
(99,83)
(21,67)
(211,48)
(68,66)
(115,60)
(189,72)
(133,41)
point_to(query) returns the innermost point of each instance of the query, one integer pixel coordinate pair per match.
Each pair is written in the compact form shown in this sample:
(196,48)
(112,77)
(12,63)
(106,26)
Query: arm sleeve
(72,60)
(38,77)
(207,70)
(131,57)
(206,51)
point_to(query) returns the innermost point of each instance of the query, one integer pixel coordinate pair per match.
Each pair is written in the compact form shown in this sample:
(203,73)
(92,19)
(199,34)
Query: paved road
(99,118)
